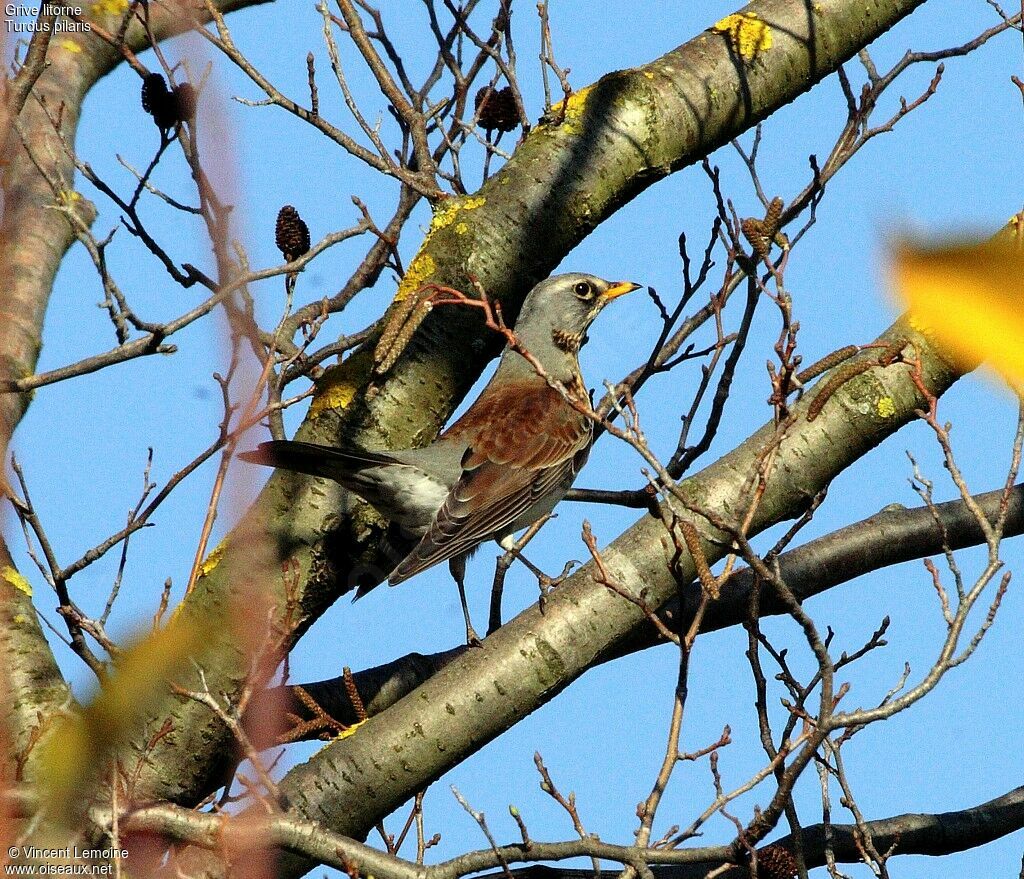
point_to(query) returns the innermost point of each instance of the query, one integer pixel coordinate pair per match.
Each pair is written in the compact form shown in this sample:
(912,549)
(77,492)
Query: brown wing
(524,441)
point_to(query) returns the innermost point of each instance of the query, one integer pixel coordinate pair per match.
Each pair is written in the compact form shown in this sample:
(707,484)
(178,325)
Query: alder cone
(158,101)
(497,110)
(775,862)
(291,234)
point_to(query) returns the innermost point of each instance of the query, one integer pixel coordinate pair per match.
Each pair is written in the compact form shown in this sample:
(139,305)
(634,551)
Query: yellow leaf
(79,748)
(969,300)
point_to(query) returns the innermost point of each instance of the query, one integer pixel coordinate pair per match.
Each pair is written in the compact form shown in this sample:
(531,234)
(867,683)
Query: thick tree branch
(890,537)
(32,687)
(378,688)
(912,833)
(34,237)
(907,834)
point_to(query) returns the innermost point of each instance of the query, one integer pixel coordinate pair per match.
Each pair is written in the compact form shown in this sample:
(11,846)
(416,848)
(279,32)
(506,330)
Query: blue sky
(950,166)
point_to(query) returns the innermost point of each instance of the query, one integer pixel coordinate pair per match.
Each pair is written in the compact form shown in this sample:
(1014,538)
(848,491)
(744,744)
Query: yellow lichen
(420,269)
(886,407)
(423,265)
(445,215)
(350,731)
(573,105)
(571,109)
(339,384)
(108,7)
(70,45)
(17,580)
(335,394)
(213,559)
(748,35)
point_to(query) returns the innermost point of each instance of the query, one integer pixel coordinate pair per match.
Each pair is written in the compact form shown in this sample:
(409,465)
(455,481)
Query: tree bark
(890,537)
(907,834)
(32,689)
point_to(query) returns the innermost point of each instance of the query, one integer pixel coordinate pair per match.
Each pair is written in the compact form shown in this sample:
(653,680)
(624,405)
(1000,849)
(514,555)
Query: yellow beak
(618,289)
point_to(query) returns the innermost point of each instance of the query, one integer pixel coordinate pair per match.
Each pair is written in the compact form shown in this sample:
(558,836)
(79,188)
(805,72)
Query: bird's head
(560,309)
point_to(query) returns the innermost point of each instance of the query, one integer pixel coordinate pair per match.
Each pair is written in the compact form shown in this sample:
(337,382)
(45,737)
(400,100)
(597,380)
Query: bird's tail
(341,465)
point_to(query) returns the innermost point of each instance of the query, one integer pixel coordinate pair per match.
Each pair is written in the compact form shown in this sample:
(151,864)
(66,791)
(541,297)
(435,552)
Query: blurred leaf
(969,299)
(85,740)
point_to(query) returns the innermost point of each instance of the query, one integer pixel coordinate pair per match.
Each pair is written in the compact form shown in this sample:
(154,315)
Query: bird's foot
(472,638)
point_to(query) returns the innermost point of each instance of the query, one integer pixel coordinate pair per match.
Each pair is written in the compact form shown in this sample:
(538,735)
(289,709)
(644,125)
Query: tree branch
(890,537)
(907,834)
(32,687)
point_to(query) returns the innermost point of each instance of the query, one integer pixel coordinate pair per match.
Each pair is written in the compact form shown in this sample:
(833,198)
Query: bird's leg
(457,566)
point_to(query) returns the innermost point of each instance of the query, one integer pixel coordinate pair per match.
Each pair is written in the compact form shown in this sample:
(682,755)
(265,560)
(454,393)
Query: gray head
(558,311)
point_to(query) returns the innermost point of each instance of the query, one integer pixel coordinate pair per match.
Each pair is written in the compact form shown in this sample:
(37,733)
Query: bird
(505,463)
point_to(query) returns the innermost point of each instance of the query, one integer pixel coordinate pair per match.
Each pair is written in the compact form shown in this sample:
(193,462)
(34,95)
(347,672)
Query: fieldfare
(504,464)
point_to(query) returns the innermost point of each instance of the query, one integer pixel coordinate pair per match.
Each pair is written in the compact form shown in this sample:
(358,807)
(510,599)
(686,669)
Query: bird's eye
(583,290)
